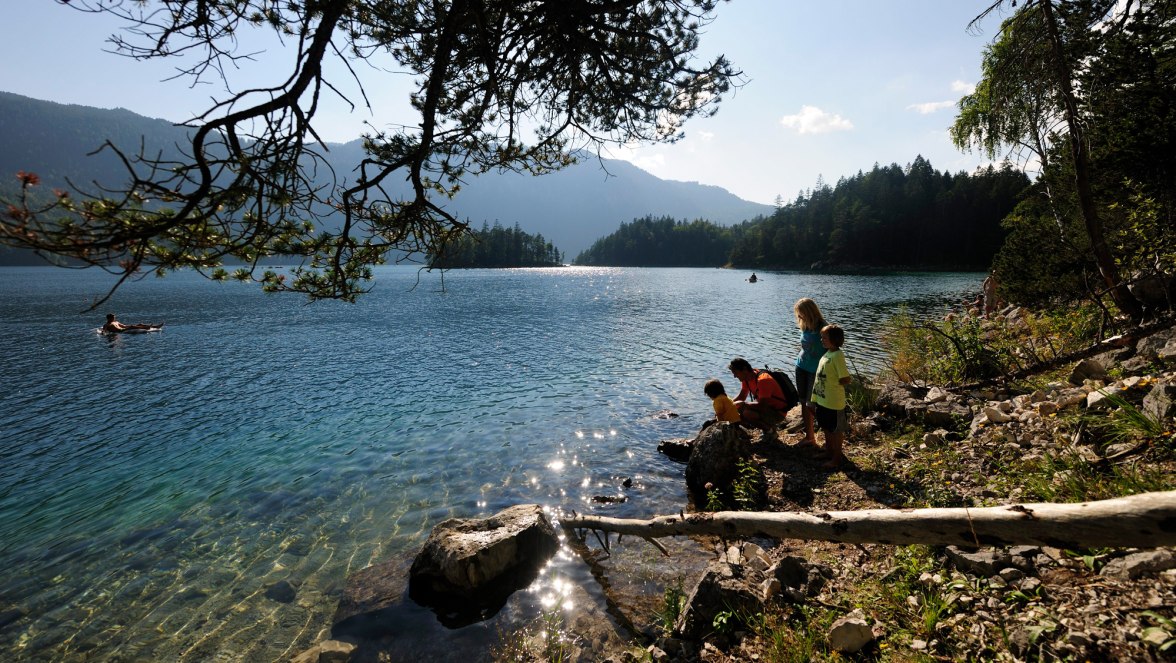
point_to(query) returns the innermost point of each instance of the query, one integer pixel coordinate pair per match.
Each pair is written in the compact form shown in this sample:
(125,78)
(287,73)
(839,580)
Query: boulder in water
(469,567)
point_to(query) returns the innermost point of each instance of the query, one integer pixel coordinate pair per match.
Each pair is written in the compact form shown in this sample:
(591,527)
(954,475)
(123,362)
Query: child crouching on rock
(829,394)
(725,409)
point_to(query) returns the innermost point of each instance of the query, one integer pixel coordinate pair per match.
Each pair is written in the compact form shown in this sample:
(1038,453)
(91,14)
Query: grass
(1071,478)
(795,634)
(673,600)
(745,492)
(747,488)
(963,349)
(1126,422)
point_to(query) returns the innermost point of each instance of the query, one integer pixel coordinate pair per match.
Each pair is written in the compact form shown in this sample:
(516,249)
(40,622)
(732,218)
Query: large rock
(370,599)
(722,587)
(468,567)
(1140,564)
(1160,402)
(330,651)
(851,633)
(895,399)
(794,579)
(1153,347)
(1087,369)
(715,457)
(1155,291)
(676,449)
(935,407)
(986,562)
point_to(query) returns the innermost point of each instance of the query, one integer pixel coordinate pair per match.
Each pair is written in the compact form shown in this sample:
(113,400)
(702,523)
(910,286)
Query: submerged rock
(281,592)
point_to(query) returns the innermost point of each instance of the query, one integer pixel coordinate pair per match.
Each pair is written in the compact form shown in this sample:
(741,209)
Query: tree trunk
(1078,150)
(1139,521)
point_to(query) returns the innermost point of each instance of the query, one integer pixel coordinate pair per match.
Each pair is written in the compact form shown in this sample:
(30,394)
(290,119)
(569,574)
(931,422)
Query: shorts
(764,416)
(832,421)
(804,385)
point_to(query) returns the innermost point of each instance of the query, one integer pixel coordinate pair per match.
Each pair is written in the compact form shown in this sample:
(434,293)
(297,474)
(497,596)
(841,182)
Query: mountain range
(572,207)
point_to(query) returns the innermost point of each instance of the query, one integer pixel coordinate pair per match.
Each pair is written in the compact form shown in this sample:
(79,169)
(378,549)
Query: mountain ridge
(571,208)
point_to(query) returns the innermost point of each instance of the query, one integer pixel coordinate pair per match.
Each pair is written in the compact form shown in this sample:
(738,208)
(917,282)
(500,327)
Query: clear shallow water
(152,487)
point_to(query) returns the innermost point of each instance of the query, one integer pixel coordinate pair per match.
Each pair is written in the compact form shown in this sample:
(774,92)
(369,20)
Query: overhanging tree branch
(500,85)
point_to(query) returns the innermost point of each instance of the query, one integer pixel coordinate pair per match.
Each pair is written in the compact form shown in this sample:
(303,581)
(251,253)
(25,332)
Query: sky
(831,87)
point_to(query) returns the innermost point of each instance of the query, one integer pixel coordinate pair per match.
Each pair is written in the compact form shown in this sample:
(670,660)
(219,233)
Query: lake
(153,487)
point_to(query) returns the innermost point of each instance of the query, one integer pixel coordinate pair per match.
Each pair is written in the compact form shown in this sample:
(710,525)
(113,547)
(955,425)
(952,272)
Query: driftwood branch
(1139,521)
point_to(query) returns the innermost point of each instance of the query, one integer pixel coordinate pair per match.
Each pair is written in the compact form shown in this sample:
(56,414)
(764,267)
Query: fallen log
(1147,520)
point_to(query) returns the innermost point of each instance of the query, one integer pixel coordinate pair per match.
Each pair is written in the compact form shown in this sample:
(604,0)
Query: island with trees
(994,430)
(496,247)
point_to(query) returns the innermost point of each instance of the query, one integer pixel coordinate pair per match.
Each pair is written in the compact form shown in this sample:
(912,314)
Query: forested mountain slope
(571,208)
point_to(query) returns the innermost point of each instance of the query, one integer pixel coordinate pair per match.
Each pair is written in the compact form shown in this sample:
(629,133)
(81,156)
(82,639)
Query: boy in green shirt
(829,394)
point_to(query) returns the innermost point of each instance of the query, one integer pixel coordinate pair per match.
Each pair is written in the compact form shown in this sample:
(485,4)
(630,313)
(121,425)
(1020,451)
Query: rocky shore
(757,599)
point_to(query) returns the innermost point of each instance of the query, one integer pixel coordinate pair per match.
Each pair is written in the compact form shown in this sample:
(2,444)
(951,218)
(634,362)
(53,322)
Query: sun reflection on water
(552,589)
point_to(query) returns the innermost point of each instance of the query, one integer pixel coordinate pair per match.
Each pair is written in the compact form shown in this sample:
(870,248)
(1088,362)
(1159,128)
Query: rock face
(676,449)
(1160,402)
(742,582)
(714,457)
(468,567)
(934,408)
(722,587)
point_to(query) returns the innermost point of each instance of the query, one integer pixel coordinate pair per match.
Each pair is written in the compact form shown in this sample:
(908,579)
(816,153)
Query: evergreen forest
(496,247)
(912,217)
(662,242)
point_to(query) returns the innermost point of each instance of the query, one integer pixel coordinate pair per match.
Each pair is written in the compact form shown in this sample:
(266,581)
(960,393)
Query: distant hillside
(571,208)
(54,141)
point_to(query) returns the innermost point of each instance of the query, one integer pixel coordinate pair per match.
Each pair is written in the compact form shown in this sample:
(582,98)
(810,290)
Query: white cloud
(650,163)
(706,136)
(962,87)
(931,106)
(813,120)
(643,156)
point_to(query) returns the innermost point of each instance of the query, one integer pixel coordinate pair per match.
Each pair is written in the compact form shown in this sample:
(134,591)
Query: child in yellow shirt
(725,409)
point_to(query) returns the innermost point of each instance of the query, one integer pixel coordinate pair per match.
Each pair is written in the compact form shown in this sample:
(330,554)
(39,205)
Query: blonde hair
(808,316)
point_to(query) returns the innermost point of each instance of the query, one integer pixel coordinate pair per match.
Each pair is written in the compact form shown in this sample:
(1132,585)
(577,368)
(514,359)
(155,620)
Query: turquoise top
(811,351)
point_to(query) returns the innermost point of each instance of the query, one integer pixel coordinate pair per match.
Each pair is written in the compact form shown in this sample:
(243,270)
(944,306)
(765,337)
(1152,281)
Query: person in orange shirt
(768,407)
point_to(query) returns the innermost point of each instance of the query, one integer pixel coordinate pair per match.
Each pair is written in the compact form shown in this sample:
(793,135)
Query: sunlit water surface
(153,487)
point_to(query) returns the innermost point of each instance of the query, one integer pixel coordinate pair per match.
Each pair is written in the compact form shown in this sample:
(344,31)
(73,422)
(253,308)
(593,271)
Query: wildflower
(17,214)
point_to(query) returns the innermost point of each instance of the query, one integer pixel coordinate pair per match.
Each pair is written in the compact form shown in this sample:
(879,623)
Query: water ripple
(153,487)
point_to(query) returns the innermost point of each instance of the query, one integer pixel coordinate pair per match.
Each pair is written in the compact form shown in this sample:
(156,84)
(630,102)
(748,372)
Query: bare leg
(833,445)
(810,434)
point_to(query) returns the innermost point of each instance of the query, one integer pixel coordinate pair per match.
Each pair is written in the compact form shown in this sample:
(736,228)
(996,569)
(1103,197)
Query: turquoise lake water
(154,486)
